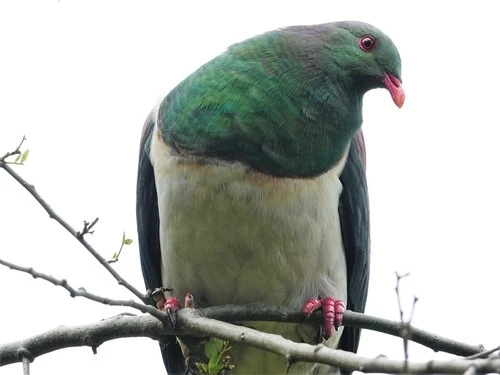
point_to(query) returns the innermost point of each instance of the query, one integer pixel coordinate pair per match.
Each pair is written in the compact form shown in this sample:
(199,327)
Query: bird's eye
(367,43)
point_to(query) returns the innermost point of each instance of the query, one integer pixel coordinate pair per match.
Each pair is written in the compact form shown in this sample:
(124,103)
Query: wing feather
(355,225)
(149,239)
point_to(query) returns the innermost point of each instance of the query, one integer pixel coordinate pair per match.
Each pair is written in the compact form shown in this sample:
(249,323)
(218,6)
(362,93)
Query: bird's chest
(233,235)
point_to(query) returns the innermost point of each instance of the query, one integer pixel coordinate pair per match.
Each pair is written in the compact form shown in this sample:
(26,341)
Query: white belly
(231,235)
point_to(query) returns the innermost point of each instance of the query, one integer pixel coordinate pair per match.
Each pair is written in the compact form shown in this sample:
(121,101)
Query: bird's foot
(333,313)
(159,296)
(170,305)
(192,347)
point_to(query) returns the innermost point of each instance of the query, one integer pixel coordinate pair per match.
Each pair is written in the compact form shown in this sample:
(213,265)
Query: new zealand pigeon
(251,185)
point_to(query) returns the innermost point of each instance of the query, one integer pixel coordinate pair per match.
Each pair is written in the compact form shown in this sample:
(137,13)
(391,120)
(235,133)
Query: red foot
(333,313)
(171,304)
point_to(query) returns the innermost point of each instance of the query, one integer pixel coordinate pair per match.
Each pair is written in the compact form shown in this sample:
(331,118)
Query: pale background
(79,78)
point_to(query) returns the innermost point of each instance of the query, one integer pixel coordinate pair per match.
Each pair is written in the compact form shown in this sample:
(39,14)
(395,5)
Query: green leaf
(213,364)
(210,349)
(216,368)
(123,238)
(203,367)
(128,241)
(17,158)
(115,255)
(25,156)
(213,347)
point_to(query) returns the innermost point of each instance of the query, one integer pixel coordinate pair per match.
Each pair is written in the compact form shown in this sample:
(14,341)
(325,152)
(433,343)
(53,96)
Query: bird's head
(368,58)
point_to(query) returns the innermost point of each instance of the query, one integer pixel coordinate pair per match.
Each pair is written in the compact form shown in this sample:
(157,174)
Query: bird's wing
(355,225)
(149,239)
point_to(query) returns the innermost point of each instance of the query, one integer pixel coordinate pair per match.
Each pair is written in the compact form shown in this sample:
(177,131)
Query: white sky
(79,78)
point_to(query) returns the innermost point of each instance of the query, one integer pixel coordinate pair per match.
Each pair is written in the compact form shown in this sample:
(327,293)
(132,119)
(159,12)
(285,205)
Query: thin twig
(412,313)
(116,256)
(484,353)
(17,151)
(398,278)
(87,228)
(53,215)
(81,292)
(406,329)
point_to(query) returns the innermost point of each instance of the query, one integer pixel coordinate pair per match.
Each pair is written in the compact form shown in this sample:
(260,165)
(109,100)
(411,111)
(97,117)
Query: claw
(171,306)
(333,313)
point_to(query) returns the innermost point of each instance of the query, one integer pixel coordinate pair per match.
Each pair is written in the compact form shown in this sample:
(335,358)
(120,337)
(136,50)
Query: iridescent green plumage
(286,102)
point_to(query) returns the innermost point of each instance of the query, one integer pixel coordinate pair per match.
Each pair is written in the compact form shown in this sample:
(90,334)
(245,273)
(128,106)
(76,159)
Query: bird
(251,185)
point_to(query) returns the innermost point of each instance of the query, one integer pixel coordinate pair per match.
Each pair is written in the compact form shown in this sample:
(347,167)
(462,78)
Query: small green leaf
(213,364)
(123,237)
(213,360)
(115,255)
(216,368)
(25,156)
(17,158)
(213,347)
(128,241)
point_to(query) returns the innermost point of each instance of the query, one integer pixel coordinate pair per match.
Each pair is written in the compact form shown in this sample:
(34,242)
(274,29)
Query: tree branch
(235,313)
(295,352)
(193,322)
(79,236)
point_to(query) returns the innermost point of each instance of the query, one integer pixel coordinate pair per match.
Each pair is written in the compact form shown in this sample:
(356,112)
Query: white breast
(232,235)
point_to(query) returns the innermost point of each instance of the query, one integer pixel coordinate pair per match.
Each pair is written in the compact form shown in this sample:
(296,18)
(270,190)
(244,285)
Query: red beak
(394,86)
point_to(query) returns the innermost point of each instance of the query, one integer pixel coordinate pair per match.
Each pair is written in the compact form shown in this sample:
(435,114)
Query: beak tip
(399,98)
(393,85)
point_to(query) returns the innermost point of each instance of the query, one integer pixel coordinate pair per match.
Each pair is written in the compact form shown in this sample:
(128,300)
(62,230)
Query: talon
(170,306)
(333,313)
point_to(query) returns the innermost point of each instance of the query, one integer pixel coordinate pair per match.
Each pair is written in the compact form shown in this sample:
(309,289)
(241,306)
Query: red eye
(367,43)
